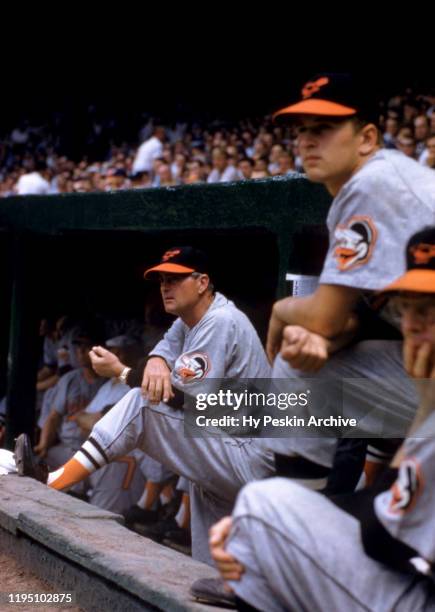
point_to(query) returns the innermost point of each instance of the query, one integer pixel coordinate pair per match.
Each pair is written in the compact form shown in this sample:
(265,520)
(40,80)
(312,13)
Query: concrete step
(95,545)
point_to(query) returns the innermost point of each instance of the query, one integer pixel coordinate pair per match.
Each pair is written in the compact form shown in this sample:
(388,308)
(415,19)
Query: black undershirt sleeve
(134,379)
(378,543)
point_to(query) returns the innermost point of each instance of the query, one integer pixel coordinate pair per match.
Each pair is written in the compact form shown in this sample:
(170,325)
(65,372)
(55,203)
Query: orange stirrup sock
(88,458)
(69,474)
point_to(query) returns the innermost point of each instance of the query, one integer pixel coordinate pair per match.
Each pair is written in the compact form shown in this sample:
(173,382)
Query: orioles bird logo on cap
(170,254)
(313,87)
(422,253)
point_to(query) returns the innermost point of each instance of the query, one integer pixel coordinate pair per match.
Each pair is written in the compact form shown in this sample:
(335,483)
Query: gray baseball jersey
(370,221)
(372,217)
(222,345)
(50,352)
(73,393)
(108,394)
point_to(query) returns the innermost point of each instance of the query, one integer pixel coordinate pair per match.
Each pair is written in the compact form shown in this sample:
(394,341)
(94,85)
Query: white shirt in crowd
(229,174)
(146,154)
(422,159)
(32,183)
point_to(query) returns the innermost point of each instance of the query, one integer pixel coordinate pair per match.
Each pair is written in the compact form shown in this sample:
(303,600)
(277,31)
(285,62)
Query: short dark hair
(40,165)
(360,122)
(247,159)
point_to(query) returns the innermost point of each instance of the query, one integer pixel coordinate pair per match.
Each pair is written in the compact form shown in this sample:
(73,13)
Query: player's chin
(170,306)
(315,174)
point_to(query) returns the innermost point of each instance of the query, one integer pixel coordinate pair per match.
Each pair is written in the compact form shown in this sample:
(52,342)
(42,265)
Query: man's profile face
(180,292)
(328,149)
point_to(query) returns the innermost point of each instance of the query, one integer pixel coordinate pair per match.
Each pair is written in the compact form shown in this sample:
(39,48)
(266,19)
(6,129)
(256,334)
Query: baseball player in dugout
(289,548)
(380,198)
(209,341)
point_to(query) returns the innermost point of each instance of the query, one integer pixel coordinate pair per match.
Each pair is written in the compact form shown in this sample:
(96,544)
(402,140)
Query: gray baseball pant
(304,554)
(218,466)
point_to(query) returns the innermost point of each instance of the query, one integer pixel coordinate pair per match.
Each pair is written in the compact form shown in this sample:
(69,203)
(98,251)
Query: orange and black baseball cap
(181,260)
(333,95)
(420,263)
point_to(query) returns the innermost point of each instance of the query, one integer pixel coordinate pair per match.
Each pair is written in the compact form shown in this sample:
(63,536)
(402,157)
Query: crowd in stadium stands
(34,161)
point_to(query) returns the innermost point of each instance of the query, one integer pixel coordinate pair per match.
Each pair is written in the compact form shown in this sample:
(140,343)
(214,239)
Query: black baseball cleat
(212,591)
(178,539)
(134,515)
(26,462)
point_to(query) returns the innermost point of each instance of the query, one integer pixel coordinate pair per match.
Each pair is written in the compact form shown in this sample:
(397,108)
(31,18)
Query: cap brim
(315,106)
(171,268)
(418,281)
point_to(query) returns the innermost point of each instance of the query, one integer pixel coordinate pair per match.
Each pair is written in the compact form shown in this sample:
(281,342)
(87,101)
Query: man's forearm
(49,430)
(326,312)
(47,383)
(345,338)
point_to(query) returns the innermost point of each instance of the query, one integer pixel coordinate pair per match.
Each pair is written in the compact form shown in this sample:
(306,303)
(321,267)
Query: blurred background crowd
(108,151)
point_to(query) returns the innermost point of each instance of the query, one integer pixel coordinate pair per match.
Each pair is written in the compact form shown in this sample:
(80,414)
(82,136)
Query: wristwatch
(123,376)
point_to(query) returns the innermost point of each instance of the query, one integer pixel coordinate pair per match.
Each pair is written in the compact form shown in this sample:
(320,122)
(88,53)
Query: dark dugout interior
(100,273)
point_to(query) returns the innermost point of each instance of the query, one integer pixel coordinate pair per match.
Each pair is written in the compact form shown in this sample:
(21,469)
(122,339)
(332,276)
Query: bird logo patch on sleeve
(192,366)
(354,242)
(407,488)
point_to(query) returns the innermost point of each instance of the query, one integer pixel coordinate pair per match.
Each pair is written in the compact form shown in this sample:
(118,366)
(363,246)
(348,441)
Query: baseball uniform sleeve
(372,218)
(207,355)
(59,402)
(171,345)
(406,509)
(358,240)
(50,353)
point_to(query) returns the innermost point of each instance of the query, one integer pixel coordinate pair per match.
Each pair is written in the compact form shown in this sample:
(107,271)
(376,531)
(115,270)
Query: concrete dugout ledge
(92,552)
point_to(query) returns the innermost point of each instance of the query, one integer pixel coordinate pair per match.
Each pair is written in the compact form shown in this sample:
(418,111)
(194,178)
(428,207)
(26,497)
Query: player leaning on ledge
(380,199)
(289,548)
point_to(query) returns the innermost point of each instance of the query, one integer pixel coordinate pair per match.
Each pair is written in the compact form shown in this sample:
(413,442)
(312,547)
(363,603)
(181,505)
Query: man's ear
(204,283)
(369,139)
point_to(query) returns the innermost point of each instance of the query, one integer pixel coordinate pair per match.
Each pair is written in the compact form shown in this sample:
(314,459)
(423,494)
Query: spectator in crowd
(273,167)
(421,132)
(116,179)
(165,177)
(391,129)
(286,164)
(140,180)
(222,171)
(407,145)
(427,157)
(195,173)
(430,145)
(35,182)
(149,150)
(246,167)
